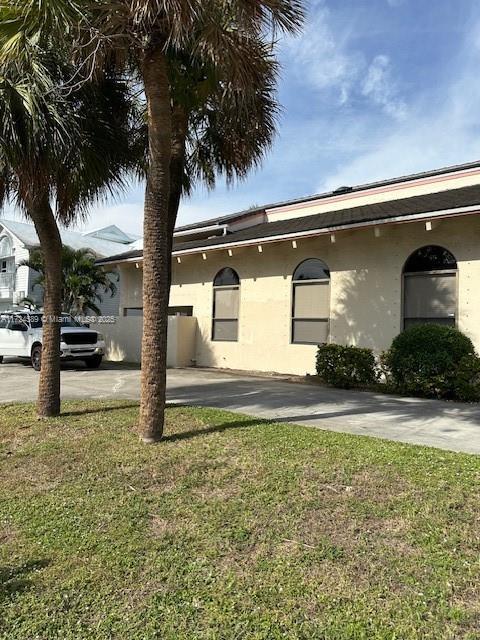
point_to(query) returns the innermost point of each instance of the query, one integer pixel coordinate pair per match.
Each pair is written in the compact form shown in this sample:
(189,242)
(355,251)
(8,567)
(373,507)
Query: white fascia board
(192,232)
(106,261)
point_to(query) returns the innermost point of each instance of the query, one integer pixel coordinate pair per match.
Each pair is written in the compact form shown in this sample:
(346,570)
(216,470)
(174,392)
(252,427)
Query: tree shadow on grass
(15,580)
(217,428)
(183,435)
(132,405)
(89,410)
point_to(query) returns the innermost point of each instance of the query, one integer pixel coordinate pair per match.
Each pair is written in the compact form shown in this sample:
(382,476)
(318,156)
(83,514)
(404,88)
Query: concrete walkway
(446,425)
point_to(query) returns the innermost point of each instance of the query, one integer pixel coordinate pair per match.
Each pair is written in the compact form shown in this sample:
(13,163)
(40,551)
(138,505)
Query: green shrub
(467,379)
(345,367)
(434,361)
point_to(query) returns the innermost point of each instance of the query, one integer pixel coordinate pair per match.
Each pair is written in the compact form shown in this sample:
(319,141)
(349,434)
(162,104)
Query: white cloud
(322,57)
(325,58)
(442,128)
(380,88)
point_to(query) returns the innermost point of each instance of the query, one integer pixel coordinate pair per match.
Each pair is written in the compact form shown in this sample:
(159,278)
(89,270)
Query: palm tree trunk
(48,402)
(177,162)
(156,253)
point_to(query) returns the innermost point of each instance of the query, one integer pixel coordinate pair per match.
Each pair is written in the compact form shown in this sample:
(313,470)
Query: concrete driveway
(446,425)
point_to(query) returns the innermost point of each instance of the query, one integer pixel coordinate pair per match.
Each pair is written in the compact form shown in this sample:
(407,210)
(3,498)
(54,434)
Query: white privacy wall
(124,340)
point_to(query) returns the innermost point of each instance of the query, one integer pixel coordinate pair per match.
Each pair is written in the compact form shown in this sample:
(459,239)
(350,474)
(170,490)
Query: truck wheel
(1,359)
(93,362)
(36,357)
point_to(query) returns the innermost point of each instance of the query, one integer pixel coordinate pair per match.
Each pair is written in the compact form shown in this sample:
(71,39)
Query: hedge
(346,367)
(434,361)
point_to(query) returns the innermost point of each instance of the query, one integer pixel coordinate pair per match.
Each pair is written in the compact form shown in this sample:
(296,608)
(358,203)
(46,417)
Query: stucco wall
(366,292)
(123,340)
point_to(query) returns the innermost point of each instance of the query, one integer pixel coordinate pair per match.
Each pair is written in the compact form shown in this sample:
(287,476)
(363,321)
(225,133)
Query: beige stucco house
(259,289)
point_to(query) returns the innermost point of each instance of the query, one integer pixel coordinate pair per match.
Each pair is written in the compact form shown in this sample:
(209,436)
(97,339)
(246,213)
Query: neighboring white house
(17,239)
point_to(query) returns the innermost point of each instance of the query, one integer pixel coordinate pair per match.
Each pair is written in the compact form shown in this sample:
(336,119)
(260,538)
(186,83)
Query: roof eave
(298,235)
(447,213)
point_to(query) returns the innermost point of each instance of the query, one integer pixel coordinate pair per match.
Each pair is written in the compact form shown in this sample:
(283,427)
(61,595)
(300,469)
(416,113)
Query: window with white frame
(310,302)
(226,303)
(430,287)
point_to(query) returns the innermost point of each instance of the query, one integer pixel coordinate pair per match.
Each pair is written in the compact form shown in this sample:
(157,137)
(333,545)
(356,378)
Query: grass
(231,528)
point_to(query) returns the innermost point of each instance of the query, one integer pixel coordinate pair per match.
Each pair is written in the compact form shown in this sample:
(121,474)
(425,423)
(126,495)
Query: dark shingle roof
(456,198)
(328,194)
(381,211)
(127,255)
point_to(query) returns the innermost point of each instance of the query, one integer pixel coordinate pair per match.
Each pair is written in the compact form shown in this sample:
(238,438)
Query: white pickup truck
(21,337)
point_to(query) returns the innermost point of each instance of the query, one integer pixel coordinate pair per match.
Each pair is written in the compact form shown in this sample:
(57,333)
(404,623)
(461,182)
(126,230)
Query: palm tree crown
(208,72)
(84,282)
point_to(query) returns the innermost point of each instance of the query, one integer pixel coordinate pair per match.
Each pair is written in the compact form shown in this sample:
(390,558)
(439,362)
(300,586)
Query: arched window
(310,302)
(226,302)
(430,287)
(6,249)
(7,262)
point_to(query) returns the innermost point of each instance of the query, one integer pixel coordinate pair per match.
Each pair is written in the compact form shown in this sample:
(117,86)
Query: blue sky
(372,89)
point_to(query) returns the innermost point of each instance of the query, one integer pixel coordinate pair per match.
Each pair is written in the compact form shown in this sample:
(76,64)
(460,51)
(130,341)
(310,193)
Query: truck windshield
(36,321)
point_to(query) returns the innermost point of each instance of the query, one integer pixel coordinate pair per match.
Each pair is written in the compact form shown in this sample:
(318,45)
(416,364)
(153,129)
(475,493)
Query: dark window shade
(225,330)
(311,302)
(309,331)
(225,306)
(226,302)
(430,296)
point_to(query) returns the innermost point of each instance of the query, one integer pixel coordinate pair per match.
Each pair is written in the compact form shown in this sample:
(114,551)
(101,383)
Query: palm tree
(84,283)
(59,150)
(202,64)
(36,124)
(196,60)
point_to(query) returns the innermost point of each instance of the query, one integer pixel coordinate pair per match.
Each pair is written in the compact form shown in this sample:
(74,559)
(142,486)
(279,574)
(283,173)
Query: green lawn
(231,528)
